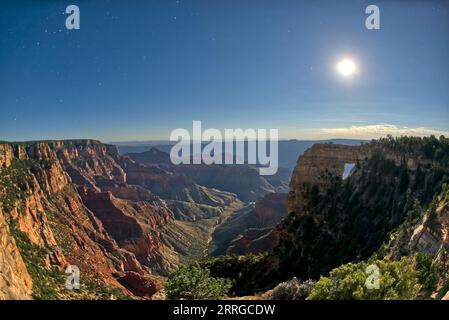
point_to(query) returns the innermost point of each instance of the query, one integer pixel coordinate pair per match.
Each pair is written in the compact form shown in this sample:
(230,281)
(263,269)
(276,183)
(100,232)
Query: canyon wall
(79,202)
(259,236)
(376,210)
(248,230)
(318,166)
(324,207)
(15,282)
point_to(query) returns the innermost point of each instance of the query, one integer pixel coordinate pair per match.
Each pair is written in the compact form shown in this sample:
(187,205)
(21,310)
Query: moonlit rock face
(346,67)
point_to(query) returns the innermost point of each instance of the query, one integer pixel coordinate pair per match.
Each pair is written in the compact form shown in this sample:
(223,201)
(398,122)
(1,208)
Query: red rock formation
(15,282)
(267,213)
(348,221)
(253,241)
(74,201)
(52,215)
(432,236)
(6,155)
(132,193)
(140,285)
(135,226)
(250,231)
(317,165)
(270,209)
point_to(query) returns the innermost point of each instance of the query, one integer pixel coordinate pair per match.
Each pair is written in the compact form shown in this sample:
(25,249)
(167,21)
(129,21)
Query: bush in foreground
(292,290)
(195,283)
(398,280)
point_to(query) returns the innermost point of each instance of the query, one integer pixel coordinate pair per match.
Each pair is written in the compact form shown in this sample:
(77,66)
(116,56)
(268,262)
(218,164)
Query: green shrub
(195,283)
(398,280)
(293,289)
(428,272)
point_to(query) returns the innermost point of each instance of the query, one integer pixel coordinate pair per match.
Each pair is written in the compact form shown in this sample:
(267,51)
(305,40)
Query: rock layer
(15,282)
(334,220)
(249,230)
(79,202)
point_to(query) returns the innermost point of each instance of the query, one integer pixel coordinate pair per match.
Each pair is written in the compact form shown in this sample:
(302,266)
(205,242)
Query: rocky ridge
(251,232)
(334,220)
(80,202)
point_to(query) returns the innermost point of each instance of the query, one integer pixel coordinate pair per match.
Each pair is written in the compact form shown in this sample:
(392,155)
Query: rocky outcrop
(135,226)
(132,193)
(334,220)
(269,210)
(348,219)
(253,241)
(6,155)
(139,285)
(317,167)
(432,233)
(328,214)
(79,202)
(431,236)
(15,282)
(425,234)
(321,159)
(249,230)
(260,237)
(40,201)
(50,222)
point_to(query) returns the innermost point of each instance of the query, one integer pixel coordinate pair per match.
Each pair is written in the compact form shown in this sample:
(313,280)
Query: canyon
(391,205)
(127,220)
(249,230)
(79,202)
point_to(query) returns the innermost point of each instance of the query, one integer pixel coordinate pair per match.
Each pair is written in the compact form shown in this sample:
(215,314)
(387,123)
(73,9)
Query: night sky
(136,70)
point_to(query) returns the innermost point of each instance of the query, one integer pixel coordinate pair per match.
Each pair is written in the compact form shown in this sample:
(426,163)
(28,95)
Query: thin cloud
(381,130)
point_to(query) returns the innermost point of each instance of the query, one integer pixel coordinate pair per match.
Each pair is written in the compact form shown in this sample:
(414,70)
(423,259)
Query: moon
(346,67)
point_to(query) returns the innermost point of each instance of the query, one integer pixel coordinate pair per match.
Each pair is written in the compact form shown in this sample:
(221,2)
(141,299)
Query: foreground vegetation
(195,283)
(397,280)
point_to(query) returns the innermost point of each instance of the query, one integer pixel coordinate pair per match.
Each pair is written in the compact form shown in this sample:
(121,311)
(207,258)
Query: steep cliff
(337,216)
(50,223)
(79,202)
(425,234)
(15,282)
(249,229)
(334,220)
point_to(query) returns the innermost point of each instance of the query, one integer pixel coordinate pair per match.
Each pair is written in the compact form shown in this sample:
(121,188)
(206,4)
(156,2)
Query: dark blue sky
(138,69)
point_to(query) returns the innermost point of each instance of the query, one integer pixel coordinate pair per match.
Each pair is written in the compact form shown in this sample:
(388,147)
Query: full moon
(346,67)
